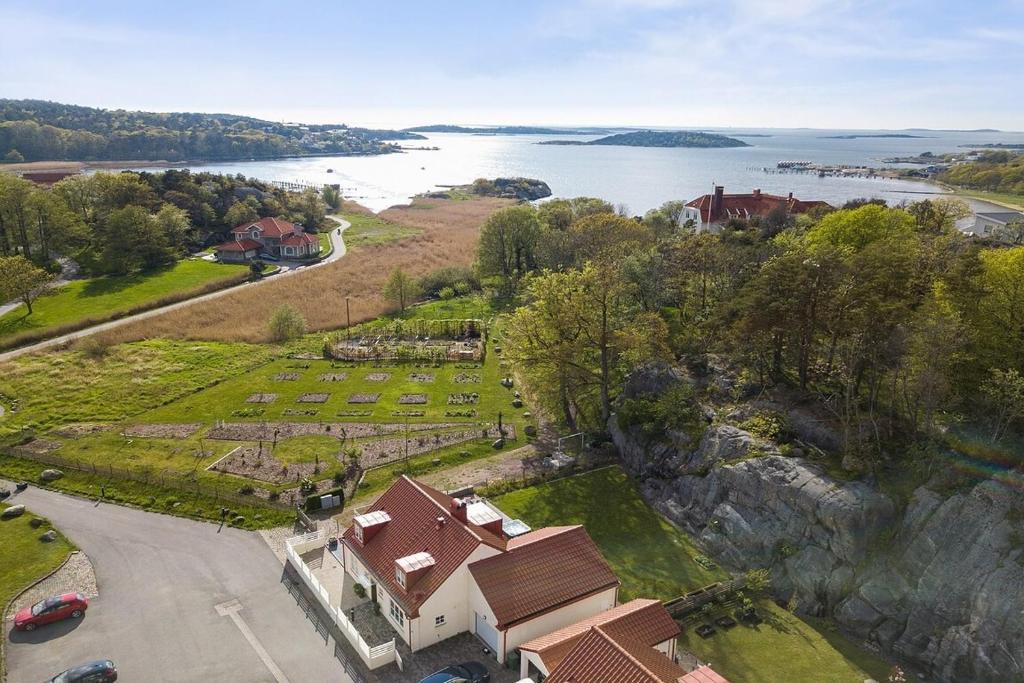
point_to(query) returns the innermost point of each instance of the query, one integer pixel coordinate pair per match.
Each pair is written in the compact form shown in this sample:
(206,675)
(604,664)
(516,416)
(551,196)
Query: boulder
(35,522)
(49,536)
(50,475)
(13,511)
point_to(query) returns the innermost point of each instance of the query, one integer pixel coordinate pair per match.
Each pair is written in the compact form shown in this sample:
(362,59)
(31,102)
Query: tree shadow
(47,632)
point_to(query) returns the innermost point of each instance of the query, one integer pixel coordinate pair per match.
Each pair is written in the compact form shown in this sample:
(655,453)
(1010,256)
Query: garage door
(487,633)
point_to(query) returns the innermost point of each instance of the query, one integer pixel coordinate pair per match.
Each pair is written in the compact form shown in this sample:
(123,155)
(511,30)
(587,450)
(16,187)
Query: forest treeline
(36,130)
(116,223)
(890,317)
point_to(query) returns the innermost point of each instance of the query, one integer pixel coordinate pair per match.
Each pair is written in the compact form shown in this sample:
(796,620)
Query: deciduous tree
(22,280)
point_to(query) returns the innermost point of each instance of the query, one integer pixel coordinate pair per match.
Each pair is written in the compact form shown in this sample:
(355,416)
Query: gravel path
(76,575)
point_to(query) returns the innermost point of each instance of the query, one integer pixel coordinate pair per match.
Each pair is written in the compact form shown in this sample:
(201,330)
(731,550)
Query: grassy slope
(654,559)
(650,556)
(25,558)
(68,386)
(98,298)
(785,648)
(1012,201)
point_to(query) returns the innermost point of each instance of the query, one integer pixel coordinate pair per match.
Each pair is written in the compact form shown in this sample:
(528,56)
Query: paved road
(179,601)
(337,240)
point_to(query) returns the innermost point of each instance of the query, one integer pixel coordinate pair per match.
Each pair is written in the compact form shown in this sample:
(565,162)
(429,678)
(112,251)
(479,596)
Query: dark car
(68,605)
(100,671)
(467,672)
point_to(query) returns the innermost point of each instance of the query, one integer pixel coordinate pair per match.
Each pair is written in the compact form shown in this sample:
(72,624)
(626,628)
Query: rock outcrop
(938,583)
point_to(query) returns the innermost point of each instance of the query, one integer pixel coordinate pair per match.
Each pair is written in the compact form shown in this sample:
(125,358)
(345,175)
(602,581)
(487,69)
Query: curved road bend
(337,241)
(179,600)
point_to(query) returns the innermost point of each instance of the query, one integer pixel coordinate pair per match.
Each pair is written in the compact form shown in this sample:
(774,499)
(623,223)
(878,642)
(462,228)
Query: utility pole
(348,319)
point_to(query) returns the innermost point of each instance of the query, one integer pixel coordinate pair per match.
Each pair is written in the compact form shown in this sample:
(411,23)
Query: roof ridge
(618,646)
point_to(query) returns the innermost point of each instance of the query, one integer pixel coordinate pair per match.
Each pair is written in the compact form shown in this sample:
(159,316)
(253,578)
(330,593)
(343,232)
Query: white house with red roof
(439,566)
(273,236)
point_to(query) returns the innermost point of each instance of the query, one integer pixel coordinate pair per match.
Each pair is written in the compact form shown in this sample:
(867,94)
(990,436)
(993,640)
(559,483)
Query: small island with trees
(658,138)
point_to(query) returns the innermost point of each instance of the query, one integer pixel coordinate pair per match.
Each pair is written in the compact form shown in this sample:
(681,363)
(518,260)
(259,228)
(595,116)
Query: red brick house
(272,236)
(710,212)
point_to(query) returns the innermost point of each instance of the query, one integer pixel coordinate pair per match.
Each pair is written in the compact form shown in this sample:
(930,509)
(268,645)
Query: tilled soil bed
(412,399)
(378,376)
(37,447)
(162,431)
(363,398)
(249,462)
(286,377)
(261,398)
(384,451)
(334,377)
(79,429)
(313,398)
(255,431)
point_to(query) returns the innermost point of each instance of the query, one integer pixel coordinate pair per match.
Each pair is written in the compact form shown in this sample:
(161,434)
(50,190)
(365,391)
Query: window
(359,533)
(396,613)
(400,577)
(439,620)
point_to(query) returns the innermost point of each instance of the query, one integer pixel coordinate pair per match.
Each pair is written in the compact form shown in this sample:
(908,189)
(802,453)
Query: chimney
(458,509)
(716,201)
(791,196)
(757,193)
(440,521)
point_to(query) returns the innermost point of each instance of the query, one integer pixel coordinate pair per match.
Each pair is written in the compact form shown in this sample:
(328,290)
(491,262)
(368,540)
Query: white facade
(511,638)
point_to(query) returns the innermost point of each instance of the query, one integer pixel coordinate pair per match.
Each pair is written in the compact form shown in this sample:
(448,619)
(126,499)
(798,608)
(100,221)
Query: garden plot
(384,451)
(421,377)
(407,413)
(40,446)
(286,377)
(256,431)
(467,378)
(334,377)
(308,412)
(463,399)
(259,463)
(412,399)
(313,398)
(377,376)
(261,398)
(162,431)
(363,398)
(80,429)
(355,413)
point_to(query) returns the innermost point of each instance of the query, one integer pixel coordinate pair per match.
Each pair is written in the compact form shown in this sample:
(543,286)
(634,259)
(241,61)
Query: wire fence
(175,481)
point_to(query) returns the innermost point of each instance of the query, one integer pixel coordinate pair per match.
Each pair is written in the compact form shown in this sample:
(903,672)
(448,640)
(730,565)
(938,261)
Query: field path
(337,241)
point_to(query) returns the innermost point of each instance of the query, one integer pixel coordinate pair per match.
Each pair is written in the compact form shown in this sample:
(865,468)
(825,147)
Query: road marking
(231,609)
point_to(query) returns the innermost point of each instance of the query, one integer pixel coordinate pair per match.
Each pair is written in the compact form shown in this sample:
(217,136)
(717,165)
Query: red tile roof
(271,227)
(300,239)
(703,674)
(541,571)
(600,658)
(756,203)
(240,245)
(414,509)
(641,620)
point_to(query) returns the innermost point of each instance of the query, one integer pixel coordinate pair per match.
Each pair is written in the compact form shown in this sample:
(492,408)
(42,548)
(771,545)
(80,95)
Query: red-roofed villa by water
(272,236)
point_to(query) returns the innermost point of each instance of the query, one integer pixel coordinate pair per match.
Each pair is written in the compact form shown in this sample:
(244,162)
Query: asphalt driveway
(178,601)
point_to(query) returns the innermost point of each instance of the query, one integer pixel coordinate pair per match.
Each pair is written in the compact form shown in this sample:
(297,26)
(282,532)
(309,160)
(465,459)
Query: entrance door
(487,633)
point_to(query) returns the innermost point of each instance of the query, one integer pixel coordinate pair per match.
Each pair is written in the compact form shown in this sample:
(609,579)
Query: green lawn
(25,558)
(651,557)
(785,648)
(370,230)
(325,242)
(42,391)
(1013,201)
(100,298)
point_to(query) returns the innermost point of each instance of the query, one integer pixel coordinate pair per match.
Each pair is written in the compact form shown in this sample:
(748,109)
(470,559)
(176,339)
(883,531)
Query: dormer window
(365,527)
(410,568)
(400,577)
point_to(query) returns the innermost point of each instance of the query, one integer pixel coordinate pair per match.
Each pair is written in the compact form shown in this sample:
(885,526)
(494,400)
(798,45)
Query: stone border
(10,603)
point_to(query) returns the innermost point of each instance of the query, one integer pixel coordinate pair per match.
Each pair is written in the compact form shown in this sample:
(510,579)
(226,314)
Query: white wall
(450,600)
(560,618)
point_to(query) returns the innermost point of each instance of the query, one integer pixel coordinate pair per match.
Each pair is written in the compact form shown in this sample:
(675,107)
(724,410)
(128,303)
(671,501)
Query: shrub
(768,424)
(247,490)
(675,409)
(358,589)
(460,279)
(94,348)
(287,324)
(446,293)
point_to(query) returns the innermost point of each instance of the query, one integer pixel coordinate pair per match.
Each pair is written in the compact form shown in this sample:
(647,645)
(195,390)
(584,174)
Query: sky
(670,63)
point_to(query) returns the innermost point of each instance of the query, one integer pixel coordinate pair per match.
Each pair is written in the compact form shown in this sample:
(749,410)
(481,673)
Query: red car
(71,605)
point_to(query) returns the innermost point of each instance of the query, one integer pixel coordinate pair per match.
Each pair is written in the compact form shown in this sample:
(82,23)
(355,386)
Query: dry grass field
(447,235)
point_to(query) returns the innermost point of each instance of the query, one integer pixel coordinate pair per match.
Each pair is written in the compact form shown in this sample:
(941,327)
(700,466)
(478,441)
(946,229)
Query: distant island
(505,130)
(996,145)
(654,138)
(37,130)
(525,189)
(856,136)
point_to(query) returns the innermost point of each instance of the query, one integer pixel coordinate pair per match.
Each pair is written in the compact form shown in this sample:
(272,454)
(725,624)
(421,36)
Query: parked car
(467,672)
(100,671)
(66,606)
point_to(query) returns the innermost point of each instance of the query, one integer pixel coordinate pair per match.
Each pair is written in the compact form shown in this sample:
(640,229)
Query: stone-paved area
(76,575)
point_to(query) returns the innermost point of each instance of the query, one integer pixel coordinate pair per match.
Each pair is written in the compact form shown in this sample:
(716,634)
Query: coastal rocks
(50,475)
(937,584)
